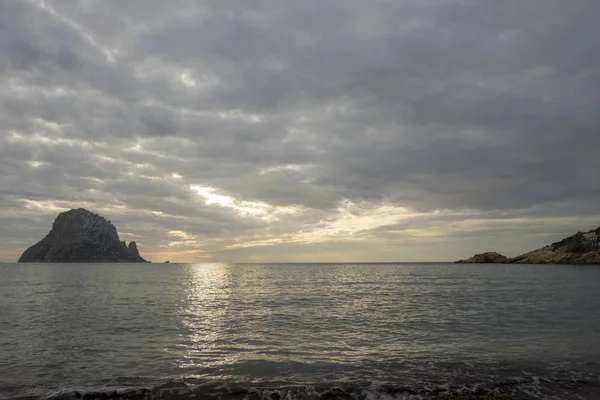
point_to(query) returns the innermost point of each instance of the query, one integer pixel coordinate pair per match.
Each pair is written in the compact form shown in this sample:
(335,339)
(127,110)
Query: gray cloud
(377,126)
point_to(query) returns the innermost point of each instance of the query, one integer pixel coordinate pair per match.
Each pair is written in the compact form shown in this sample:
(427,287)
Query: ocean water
(361,331)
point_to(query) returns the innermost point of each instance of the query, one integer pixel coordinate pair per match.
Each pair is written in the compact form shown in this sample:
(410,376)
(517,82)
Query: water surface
(415,325)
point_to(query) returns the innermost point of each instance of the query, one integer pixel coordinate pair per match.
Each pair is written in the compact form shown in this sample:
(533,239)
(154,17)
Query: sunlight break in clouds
(286,167)
(244,208)
(185,239)
(350,220)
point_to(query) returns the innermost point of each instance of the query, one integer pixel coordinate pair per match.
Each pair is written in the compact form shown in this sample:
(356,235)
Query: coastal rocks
(486,258)
(179,390)
(580,248)
(81,236)
(132,249)
(548,255)
(575,249)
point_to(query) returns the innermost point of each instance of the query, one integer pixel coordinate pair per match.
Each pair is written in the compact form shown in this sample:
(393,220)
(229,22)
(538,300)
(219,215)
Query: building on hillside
(592,238)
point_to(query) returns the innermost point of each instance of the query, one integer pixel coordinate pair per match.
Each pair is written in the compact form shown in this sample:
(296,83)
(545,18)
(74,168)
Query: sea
(299,331)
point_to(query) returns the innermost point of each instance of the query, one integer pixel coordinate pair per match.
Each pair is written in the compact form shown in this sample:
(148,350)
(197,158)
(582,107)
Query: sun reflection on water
(205,315)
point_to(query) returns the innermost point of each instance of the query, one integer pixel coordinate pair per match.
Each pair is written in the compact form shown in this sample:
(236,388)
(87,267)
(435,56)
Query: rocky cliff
(81,236)
(547,255)
(574,249)
(571,250)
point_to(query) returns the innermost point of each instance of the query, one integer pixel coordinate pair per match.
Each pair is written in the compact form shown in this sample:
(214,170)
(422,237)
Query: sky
(298,131)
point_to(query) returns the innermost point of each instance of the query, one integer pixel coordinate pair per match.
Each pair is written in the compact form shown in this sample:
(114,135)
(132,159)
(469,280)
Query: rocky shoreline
(579,248)
(179,391)
(485,258)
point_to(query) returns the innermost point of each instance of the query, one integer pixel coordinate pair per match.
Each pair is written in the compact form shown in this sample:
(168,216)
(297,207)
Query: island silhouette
(80,235)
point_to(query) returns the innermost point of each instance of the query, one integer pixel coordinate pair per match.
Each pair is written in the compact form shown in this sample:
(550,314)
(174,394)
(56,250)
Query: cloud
(302,130)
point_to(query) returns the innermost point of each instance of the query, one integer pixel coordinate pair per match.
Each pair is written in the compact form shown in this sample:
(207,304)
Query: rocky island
(580,248)
(81,236)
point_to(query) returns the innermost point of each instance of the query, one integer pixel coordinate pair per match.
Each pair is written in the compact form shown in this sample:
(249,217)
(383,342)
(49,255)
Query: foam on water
(534,389)
(552,384)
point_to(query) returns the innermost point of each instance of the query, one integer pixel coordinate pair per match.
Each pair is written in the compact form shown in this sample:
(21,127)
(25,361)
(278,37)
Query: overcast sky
(313,130)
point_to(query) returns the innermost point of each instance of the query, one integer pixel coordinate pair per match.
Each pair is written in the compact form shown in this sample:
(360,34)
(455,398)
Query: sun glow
(35,164)
(350,221)
(286,167)
(212,198)
(255,209)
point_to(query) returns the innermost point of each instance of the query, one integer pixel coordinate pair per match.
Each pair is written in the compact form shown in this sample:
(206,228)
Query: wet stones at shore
(179,391)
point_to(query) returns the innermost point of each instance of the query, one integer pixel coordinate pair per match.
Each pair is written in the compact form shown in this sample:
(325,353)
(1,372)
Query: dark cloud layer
(264,130)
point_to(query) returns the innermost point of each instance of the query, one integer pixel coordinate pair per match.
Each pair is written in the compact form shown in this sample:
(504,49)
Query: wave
(522,388)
